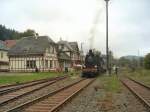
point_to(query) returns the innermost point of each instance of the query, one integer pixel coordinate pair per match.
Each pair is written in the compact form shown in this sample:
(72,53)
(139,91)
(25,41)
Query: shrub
(147,61)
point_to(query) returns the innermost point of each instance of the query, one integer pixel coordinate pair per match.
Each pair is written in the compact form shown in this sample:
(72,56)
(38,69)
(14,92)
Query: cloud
(72,20)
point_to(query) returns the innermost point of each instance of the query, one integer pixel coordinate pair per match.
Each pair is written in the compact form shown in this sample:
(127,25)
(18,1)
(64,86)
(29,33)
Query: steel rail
(31,91)
(37,100)
(138,95)
(142,84)
(11,85)
(54,109)
(27,84)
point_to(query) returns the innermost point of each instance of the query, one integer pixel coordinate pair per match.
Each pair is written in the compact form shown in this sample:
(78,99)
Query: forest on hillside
(11,34)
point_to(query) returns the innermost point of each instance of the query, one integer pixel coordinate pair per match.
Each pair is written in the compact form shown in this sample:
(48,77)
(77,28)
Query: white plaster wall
(5,57)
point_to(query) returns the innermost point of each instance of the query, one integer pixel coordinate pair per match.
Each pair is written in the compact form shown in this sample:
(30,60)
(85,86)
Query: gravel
(133,104)
(81,102)
(94,98)
(39,93)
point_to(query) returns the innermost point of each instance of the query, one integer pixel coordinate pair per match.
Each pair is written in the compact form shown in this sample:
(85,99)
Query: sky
(73,20)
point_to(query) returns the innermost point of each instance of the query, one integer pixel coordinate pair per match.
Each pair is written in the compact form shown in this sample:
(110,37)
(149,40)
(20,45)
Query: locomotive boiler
(93,65)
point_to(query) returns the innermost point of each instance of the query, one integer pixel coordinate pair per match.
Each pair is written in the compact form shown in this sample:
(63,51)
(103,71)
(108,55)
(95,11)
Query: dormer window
(62,46)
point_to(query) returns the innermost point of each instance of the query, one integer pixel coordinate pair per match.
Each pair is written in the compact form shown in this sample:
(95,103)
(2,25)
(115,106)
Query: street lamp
(107,49)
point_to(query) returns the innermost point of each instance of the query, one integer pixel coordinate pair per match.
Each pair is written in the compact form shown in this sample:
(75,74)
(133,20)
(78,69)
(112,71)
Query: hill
(11,34)
(132,57)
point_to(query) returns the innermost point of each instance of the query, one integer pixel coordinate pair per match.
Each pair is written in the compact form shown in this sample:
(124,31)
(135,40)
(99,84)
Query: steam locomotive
(94,65)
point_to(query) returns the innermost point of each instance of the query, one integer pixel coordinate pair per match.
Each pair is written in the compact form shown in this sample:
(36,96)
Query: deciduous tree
(147,61)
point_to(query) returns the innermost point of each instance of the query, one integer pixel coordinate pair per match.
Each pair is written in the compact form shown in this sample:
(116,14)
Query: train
(93,65)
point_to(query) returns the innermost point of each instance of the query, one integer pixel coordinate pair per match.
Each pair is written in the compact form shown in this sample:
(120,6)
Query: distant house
(64,54)
(4,62)
(76,57)
(32,54)
(68,54)
(10,43)
(64,60)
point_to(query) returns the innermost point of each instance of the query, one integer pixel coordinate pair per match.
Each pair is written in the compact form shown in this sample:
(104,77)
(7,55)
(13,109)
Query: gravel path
(95,99)
(39,93)
(86,101)
(133,104)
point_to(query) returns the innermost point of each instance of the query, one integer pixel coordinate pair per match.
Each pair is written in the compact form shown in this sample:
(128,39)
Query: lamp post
(107,49)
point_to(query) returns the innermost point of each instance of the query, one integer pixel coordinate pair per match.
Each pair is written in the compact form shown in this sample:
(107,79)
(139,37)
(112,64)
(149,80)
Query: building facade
(64,54)
(33,54)
(68,54)
(76,57)
(4,62)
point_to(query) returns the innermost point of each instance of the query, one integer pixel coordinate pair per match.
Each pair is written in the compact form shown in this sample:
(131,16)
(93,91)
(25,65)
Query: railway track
(11,96)
(141,91)
(13,87)
(54,100)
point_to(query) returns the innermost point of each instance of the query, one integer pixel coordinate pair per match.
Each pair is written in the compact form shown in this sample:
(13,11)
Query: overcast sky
(72,20)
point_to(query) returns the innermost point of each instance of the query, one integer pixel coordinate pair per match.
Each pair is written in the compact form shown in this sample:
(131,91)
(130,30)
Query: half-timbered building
(64,54)
(68,54)
(32,54)
(76,57)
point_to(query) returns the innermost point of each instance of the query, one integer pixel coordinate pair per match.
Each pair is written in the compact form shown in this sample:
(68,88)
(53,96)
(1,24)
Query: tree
(6,33)
(147,61)
(141,62)
(124,62)
(28,32)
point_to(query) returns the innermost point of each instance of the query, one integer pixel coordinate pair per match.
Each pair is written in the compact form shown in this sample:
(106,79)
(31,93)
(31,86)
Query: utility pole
(82,54)
(107,49)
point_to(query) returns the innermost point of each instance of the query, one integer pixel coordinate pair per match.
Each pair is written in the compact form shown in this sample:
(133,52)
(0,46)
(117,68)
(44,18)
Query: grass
(141,75)
(10,78)
(111,83)
(110,86)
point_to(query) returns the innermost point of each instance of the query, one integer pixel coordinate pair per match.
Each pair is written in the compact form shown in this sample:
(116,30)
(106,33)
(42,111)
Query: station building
(76,56)
(68,54)
(34,53)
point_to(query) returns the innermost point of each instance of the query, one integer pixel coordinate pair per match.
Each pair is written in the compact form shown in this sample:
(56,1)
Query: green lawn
(141,75)
(9,78)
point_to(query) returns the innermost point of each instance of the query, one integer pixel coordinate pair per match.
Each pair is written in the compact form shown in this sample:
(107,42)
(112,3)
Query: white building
(32,54)
(4,62)
(68,54)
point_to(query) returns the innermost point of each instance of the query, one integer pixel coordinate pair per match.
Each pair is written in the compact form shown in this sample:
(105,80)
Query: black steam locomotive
(93,65)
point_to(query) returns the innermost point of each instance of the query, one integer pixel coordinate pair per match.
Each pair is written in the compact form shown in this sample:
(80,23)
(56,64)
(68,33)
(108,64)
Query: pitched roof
(62,42)
(74,45)
(31,45)
(10,43)
(3,46)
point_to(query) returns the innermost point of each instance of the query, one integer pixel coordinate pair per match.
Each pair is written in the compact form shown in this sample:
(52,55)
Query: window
(62,46)
(2,55)
(54,63)
(51,64)
(31,64)
(46,63)
(53,50)
(59,47)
